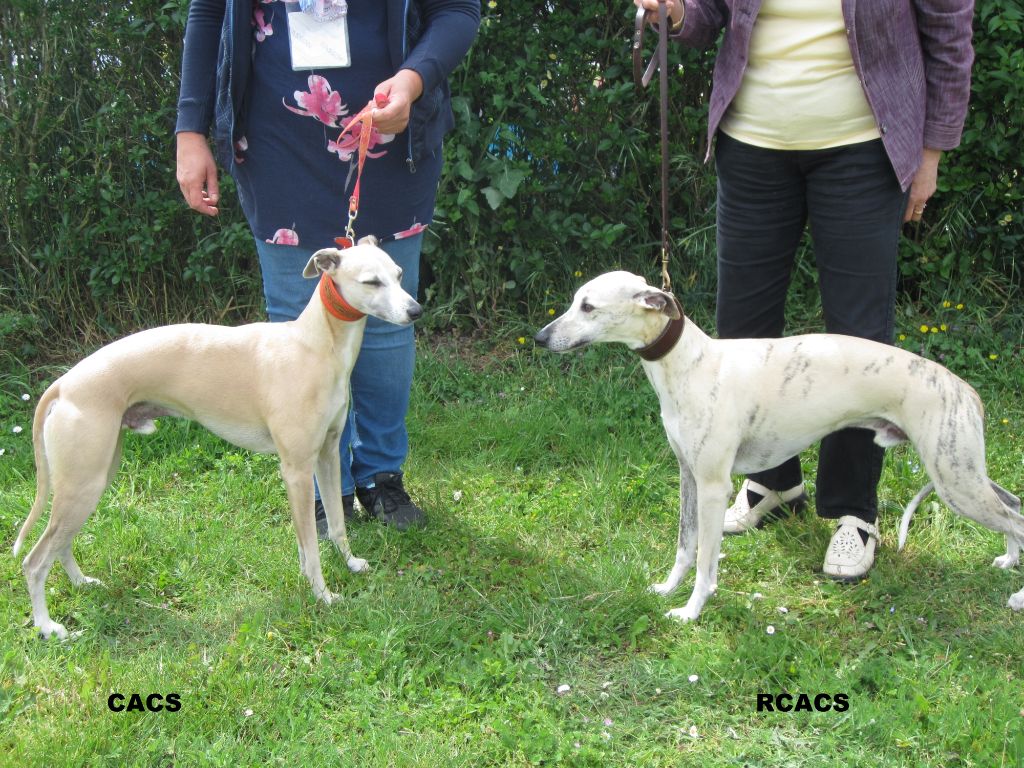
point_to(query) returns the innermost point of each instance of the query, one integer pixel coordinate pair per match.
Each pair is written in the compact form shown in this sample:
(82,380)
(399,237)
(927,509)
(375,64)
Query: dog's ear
(324,260)
(661,301)
(367,240)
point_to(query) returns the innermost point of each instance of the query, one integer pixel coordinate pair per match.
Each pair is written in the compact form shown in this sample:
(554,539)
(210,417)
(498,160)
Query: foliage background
(551,172)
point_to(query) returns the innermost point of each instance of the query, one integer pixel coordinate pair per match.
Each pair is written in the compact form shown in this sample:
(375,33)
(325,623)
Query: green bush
(553,171)
(551,174)
(976,213)
(98,238)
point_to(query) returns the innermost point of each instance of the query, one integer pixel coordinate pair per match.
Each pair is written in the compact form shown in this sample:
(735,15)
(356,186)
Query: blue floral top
(294,176)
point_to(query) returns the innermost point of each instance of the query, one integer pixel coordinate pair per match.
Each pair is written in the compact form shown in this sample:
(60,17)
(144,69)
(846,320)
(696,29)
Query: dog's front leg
(298,479)
(328,478)
(686,544)
(712,497)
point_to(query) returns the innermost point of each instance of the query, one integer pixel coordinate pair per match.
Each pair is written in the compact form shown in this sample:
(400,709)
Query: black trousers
(854,205)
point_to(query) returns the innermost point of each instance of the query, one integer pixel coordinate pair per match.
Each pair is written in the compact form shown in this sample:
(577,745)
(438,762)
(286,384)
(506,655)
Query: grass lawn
(553,502)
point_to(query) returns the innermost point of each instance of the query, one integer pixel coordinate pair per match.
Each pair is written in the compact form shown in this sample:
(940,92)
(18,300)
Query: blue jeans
(375,438)
(850,197)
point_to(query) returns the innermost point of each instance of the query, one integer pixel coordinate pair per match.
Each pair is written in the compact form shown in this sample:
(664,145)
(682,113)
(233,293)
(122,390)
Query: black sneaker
(320,514)
(389,503)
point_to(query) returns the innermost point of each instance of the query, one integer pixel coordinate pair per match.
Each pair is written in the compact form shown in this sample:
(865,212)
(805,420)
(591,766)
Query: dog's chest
(252,437)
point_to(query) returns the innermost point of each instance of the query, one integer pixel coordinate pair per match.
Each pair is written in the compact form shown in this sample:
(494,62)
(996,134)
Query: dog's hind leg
(994,509)
(1013,544)
(65,555)
(68,512)
(712,499)
(79,451)
(686,544)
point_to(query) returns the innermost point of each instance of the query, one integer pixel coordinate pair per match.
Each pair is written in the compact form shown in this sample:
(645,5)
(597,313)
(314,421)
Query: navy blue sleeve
(449,30)
(197,96)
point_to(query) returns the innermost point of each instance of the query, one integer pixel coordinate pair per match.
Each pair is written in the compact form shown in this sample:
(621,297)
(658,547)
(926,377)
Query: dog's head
(368,280)
(615,306)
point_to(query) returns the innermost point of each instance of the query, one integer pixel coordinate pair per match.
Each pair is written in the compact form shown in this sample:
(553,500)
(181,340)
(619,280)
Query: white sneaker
(741,517)
(848,558)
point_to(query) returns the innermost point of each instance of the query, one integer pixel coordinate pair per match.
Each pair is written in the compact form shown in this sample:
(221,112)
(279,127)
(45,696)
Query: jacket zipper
(405,54)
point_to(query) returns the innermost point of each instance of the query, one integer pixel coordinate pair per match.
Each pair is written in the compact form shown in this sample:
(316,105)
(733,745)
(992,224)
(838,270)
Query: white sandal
(848,557)
(741,517)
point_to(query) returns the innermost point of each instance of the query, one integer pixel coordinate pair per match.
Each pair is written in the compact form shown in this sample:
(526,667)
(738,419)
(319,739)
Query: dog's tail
(908,513)
(42,467)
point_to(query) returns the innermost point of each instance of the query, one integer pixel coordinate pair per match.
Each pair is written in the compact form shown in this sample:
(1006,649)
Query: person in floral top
(276,83)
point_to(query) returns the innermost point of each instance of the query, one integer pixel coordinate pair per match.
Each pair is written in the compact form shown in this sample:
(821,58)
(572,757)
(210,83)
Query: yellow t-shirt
(800,89)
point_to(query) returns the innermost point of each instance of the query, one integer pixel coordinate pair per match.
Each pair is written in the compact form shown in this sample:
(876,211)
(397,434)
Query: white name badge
(318,44)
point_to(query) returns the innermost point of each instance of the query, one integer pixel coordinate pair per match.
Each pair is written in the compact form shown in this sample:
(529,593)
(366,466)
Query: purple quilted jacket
(913,58)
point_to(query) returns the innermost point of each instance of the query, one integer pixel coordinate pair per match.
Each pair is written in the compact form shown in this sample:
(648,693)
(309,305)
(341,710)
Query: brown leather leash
(642,77)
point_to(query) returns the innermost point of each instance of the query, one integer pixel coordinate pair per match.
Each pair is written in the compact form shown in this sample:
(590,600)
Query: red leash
(365,120)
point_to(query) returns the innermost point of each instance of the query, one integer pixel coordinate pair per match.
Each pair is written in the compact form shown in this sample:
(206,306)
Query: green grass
(553,503)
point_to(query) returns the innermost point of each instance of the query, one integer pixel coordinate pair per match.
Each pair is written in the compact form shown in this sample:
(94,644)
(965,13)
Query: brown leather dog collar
(667,339)
(335,303)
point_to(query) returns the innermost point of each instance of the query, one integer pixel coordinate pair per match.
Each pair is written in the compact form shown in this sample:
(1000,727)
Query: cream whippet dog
(746,405)
(270,387)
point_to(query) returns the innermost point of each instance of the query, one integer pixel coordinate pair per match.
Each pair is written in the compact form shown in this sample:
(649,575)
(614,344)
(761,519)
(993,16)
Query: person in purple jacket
(834,115)
(276,82)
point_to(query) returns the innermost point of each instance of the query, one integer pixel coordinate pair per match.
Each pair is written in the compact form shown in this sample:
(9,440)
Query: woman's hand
(923,185)
(394,98)
(674,8)
(197,173)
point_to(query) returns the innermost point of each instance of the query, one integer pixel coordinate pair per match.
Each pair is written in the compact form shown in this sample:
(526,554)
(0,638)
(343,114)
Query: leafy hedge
(552,171)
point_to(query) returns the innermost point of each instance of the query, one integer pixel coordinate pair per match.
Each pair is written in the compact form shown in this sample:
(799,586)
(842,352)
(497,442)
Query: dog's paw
(52,629)
(357,565)
(89,581)
(1016,601)
(663,588)
(327,597)
(1006,562)
(683,614)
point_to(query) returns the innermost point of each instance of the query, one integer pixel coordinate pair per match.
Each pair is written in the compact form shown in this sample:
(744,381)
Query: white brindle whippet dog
(270,387)
(746,405)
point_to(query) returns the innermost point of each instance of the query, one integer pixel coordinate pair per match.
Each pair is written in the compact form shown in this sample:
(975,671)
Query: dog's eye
(374,282)
(586,307)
